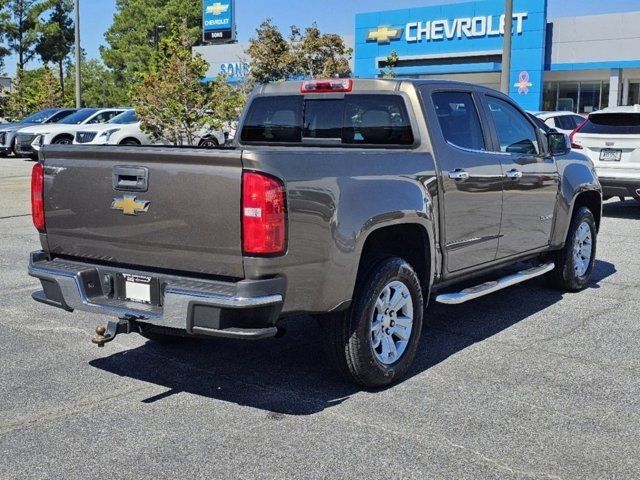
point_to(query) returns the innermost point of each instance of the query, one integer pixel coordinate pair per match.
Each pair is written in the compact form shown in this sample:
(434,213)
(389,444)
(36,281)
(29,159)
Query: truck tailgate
(187,218)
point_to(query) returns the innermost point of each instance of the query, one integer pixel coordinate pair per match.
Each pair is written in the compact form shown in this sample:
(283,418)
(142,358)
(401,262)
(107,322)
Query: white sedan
(29,140)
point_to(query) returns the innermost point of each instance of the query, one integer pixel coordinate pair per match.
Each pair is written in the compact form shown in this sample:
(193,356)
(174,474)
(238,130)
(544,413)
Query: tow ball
(107,334)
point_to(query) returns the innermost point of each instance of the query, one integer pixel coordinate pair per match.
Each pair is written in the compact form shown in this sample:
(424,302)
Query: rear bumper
(245,309)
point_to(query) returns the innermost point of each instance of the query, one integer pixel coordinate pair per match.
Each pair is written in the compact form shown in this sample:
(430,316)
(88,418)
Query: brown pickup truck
(355,201)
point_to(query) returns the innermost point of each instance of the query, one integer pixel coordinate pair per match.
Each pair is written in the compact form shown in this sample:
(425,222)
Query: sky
(335,16)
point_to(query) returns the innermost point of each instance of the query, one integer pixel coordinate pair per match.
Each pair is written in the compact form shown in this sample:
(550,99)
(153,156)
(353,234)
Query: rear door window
(613,124)
(459,120)
(352,120)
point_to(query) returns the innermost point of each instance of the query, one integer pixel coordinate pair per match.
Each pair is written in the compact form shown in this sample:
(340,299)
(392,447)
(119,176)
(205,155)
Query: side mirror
(559,144)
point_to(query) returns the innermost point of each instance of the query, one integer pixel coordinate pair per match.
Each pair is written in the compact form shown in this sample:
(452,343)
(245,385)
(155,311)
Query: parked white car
(611,138)
(121,130)
(125,129)
(29,140)
(563,122)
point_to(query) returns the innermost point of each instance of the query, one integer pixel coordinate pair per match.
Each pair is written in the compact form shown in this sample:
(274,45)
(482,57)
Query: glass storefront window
(577,97)
(568,94)
(589,97)
(549,96)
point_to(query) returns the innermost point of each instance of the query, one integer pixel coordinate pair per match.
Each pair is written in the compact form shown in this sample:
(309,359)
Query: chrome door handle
(458,174)
(513,174)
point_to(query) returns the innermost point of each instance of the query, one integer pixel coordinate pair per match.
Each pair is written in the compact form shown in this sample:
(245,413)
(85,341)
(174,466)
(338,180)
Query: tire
(209,142)
(163,335)
(63,140)
(573,269)
(130,141)
(361,352)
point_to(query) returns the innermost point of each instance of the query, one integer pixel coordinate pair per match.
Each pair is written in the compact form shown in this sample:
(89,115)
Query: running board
(489,287)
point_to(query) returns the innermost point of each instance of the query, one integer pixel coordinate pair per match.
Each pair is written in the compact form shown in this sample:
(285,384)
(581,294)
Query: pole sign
(218,18)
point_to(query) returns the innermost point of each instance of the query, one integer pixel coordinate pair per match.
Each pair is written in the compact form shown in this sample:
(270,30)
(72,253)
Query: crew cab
(611,138)
(355,201)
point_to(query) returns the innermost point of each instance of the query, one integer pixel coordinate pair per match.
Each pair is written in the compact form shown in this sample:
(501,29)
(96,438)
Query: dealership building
(581,63)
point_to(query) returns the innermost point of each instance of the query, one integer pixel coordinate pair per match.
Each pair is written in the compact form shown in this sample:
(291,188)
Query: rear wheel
(209,142)
(63,140)
(575,262)
(375,341)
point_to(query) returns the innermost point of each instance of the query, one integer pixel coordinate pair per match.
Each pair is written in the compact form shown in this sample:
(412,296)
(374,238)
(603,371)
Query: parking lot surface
(527,383)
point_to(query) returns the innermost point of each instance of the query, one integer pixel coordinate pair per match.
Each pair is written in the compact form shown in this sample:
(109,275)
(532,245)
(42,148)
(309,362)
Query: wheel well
(62,135)
(209,137)
(409,241)
(593,202)
(129,139)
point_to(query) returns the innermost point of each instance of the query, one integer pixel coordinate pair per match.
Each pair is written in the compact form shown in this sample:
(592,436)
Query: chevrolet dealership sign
(218,21)
(457,28)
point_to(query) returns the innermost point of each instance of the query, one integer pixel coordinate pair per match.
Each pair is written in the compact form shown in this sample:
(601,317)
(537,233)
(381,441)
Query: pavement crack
(48,416)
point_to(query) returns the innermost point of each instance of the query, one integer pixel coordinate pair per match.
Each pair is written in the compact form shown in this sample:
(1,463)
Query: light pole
(76,7)
(506,48)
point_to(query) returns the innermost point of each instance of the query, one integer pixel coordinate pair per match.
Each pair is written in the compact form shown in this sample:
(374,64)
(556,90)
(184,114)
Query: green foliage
(311,54)
(390,64)
(33,90)
(171,99)
(56,37)
(20,27)
(99,86)
(133,37)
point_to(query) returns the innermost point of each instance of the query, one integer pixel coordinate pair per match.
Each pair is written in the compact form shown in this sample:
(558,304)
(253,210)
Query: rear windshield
(613,124)
(352,120)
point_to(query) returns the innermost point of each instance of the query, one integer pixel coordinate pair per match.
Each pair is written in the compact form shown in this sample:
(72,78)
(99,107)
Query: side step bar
(489,287)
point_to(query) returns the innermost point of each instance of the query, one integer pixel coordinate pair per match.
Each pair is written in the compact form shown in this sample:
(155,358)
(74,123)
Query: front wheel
(575,262)
(64,140)
(375,341)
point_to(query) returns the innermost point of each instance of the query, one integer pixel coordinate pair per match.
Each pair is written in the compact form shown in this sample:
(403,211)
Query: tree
(309,55)
(33,90)
(99,86)
(171,99)
(389,66)
(21,28)
(320,55)
(57,36)
(133,37)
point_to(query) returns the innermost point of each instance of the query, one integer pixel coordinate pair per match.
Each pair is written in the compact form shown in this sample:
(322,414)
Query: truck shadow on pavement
(290,376)
(627,210)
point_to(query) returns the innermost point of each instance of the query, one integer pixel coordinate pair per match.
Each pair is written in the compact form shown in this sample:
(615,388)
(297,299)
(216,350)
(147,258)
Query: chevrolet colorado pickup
(351,200)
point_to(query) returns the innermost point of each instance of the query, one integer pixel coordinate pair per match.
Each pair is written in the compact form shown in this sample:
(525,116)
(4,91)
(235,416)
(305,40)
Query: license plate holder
(610,155)
(139,289)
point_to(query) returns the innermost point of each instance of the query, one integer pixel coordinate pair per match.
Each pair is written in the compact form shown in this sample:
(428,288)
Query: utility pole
(505,76)
(76,7)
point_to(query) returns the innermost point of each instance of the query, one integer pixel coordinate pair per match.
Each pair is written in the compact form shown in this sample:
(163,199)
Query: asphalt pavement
(527,383)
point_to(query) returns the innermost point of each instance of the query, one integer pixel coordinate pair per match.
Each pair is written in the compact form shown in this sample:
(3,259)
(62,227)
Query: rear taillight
(264,215)
(571,135)
(37,197)
(327,86)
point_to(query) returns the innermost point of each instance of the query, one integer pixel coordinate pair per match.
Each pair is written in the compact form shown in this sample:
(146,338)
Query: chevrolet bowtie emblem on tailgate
(217,8)
(129,206)
(384,34)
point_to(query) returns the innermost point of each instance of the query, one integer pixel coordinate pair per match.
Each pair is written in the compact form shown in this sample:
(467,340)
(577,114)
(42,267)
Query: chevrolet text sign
(459,27)
(218,21)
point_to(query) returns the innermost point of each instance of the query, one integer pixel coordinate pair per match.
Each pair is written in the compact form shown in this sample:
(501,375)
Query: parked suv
(611,138)
(29,140)
(43,117)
